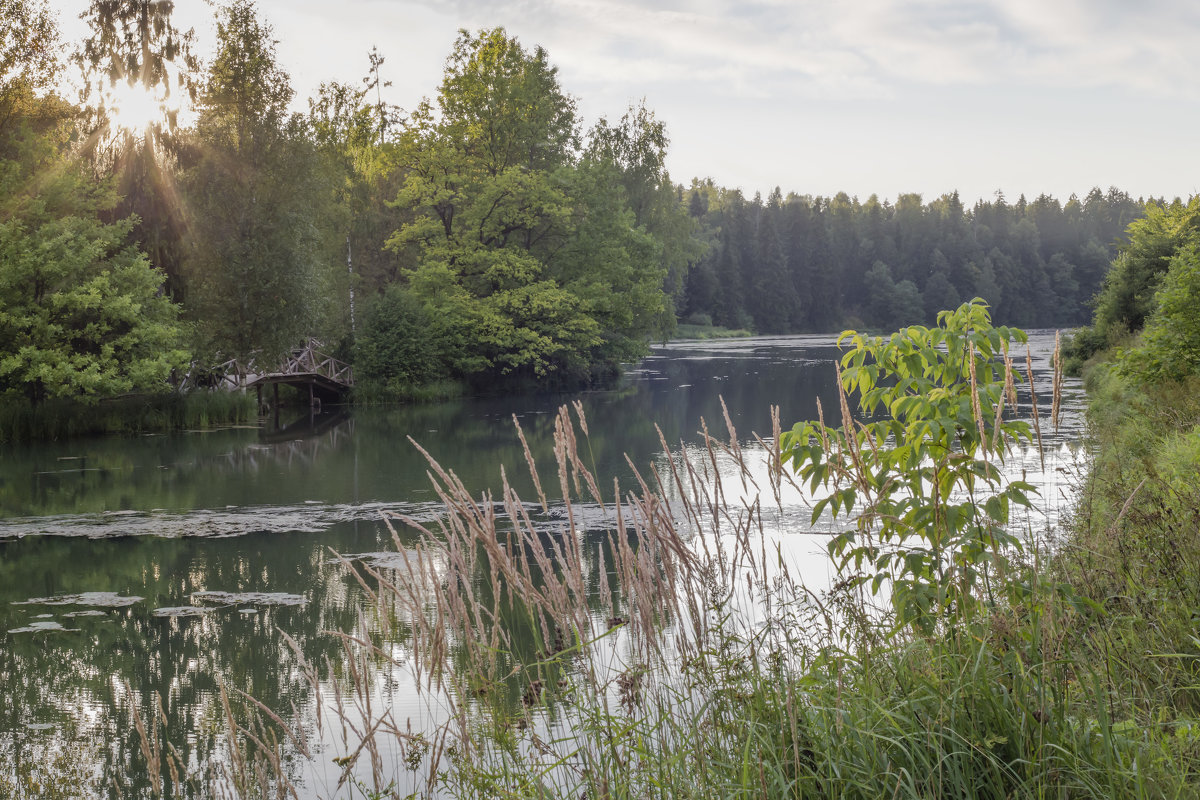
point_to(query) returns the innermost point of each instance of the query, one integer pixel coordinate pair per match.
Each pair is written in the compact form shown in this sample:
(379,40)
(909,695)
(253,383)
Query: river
(172,564)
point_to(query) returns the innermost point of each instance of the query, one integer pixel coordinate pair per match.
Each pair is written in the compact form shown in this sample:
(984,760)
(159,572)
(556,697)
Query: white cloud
(822,44)
(820,95)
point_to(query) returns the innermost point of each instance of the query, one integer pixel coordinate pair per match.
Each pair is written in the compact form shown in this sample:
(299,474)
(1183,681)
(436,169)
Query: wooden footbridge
(326,379)
(323,377)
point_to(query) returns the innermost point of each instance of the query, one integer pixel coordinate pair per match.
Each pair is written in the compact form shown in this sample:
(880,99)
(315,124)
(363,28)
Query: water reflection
(257,515)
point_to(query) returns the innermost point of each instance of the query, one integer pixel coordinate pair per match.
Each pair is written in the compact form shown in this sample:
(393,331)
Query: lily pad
(99,599)
(180,611)
(249,598)
(89,612)
(41,627)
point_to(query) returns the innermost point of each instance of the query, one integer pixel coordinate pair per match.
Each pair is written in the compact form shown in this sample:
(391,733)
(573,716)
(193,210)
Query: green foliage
(1134,549)
(134,41)
(1128,295)
(133,49)
(401,346)
(81,314)
(922,483)
(686,330)
(1170,345)
(534,263)
(636,148)
(1035,263)
(348,132)
(28,53)
(261,275)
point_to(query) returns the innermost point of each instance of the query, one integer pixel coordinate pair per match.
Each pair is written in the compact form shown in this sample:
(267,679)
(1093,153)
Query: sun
(133,109)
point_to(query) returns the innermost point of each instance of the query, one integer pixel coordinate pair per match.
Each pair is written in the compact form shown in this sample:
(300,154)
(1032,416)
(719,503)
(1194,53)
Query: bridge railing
(309,359)
(226,376)
(232,374)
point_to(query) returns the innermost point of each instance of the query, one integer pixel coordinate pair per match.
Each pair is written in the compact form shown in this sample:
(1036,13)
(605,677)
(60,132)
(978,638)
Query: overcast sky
(820,96)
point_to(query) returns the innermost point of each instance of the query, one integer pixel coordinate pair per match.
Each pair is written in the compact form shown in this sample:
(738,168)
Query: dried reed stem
(1037,423)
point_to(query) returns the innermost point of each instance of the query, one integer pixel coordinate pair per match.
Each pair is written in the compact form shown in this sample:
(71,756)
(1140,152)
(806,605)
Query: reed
(61,419)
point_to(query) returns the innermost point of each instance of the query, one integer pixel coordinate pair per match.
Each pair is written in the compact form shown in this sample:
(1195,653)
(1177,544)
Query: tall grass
(1135,549)
(60,419)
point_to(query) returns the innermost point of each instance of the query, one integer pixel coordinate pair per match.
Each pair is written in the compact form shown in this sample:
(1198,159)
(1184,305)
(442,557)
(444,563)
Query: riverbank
(701,332)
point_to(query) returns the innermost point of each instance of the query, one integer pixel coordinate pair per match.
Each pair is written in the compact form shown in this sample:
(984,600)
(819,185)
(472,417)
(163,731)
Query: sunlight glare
(134,109)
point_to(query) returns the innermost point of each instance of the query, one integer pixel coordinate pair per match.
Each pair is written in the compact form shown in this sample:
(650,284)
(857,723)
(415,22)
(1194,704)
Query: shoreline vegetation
(701,327)
(124,416)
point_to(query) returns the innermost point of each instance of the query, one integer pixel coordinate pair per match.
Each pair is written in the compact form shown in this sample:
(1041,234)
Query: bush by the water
(401,349)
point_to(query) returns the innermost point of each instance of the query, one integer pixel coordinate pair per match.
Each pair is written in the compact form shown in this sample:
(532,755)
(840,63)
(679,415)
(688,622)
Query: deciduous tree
(262,265)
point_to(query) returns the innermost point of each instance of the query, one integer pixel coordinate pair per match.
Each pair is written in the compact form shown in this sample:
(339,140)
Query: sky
(818,96)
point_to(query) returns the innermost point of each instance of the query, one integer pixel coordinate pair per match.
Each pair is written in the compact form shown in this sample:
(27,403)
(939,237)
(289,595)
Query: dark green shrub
(400,347)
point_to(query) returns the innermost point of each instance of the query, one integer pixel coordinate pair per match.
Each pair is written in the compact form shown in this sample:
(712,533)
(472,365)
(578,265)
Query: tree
(347,131)
(881,293)
(637,147)
(1128,294)
(28,56)
(135,42)
(262,268)
(1170,348)
(939,291)
(501,204)
(81,311)
(400,345)
(774,302)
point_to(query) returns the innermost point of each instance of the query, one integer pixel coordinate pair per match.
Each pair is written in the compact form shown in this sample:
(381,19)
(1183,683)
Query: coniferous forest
(799,263)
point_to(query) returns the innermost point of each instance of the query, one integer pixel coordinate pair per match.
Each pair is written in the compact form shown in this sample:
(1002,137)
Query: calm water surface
(170,564)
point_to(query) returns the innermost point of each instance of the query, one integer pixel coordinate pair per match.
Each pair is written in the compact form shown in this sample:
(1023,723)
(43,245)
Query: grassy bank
(60,419)
(690,331)
(1134,550)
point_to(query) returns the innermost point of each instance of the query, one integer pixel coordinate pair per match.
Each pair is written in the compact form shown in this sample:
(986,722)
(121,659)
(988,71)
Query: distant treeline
(799,263)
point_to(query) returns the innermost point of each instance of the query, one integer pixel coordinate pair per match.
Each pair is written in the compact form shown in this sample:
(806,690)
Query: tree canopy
(527,252)
(81,311)
(486,227)
(260,261)
(801,263)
